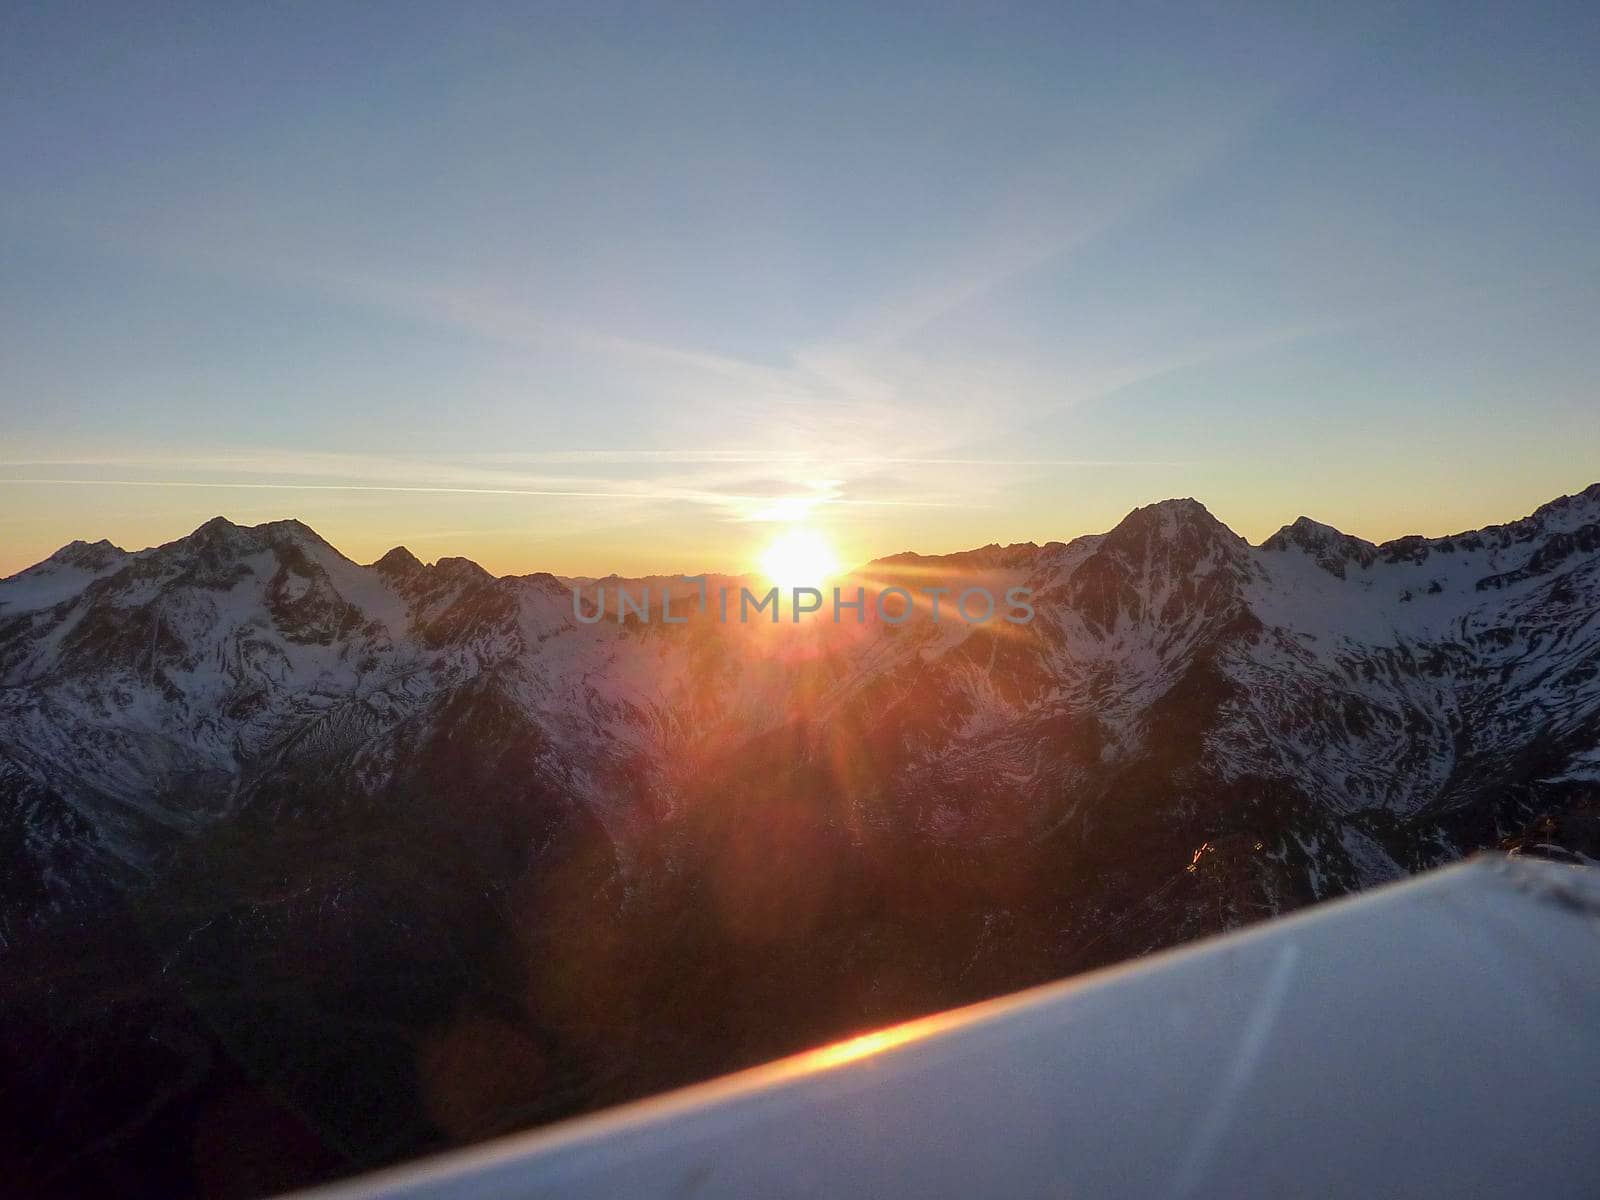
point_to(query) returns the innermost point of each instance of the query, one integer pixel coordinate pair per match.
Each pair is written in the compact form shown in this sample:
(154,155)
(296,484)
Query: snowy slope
(421,856)
(146,695)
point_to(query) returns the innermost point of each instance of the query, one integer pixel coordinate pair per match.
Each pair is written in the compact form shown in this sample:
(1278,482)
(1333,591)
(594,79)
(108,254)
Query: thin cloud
(712,498)
(759,458)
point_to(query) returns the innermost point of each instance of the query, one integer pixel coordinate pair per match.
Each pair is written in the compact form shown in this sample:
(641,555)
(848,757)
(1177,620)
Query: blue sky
(588,288)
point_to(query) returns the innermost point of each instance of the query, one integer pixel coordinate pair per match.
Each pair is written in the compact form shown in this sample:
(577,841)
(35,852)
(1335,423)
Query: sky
(633,288)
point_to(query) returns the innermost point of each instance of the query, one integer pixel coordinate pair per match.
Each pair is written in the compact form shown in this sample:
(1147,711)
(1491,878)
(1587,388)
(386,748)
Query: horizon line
(1592,490)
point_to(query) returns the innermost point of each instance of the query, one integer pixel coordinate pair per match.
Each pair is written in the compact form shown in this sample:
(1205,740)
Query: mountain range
(313,865)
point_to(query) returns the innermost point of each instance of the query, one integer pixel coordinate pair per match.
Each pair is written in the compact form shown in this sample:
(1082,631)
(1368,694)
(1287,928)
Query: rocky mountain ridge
(634,853)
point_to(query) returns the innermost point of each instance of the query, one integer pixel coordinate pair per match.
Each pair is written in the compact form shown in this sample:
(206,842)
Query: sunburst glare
(799,558)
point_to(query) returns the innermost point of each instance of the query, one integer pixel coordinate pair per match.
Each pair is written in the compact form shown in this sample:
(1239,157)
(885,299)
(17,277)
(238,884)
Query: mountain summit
(391,824)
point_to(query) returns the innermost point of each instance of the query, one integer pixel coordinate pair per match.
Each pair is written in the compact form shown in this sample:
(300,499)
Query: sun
(799,558)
